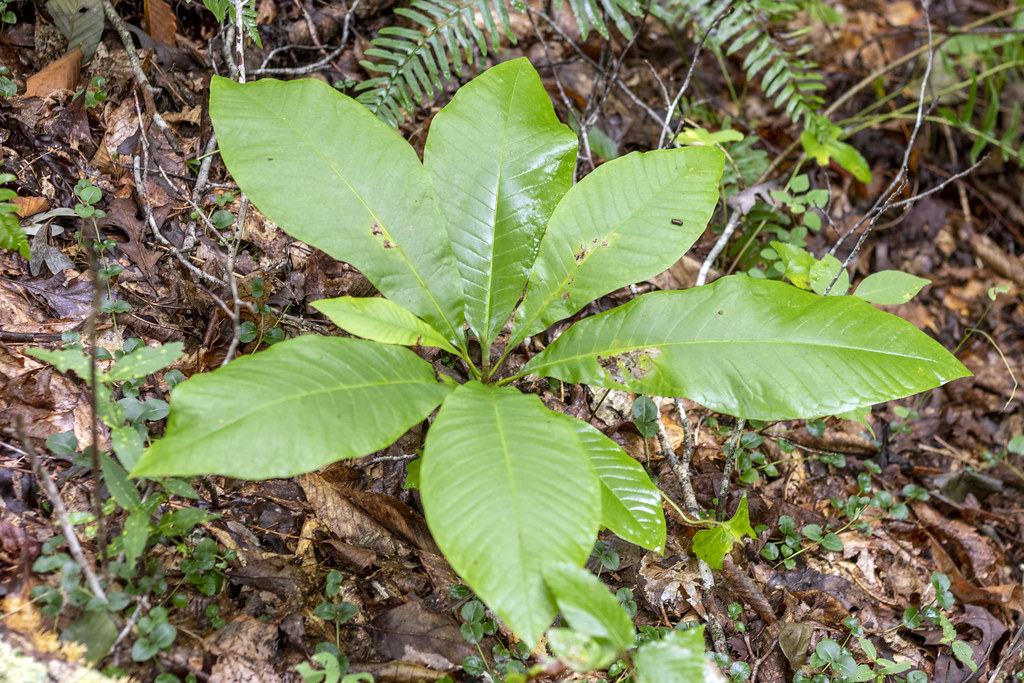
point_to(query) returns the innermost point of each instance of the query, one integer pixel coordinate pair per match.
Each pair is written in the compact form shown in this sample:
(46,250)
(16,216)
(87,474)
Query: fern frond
(414,64)
(779,59)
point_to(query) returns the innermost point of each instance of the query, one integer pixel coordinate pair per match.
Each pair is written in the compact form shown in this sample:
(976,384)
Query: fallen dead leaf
(28,206)
(60,75)
(160,21)
(412,633)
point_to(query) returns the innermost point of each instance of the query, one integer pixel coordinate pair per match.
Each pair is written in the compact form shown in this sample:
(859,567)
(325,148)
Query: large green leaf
(627,221)
(507,491)
(753,348)
(500,160)
(677,658)
(588,606)
(330,173)
(295,407)
(630,502)
(382,321)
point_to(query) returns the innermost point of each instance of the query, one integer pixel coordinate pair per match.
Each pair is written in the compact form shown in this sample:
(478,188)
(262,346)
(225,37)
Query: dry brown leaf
(901,12)
(345,519)
(122,130)
(160,21)
(412,633)
(997,258)
(191,115)
(965,544)
(28,206)
(266,13)
(55,76)
(672,583)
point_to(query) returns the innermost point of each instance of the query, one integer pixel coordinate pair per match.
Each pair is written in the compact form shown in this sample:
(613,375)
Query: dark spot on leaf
(375,228)
(565,296)
(676,221)
(388,244)
(581,254)
(629,365)
(604,244)
(721,313)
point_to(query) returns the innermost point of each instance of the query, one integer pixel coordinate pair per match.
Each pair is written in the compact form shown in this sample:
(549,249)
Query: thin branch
(140,76)
(723,239)
(689,77)
(50,489)
(887,198)
(730,461)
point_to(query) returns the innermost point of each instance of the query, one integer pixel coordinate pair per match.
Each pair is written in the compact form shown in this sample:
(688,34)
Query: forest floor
(942,468)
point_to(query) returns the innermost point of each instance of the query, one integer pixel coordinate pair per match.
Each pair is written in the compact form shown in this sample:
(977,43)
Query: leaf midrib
(610,351)
(609,237)
(398,245)
(306,394)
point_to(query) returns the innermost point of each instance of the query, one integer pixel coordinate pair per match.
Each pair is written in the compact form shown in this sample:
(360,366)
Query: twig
(240,39)
(346,25)
(140,76)
(94,422)
(43,477)
(236,303)
(886,199)
(723,239)
(597,67)
(1012,650)
(730,460)
(140,185)
(682,472)
(689,77)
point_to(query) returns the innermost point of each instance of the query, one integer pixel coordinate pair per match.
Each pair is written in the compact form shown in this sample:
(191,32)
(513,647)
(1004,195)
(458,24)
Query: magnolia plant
(488,240)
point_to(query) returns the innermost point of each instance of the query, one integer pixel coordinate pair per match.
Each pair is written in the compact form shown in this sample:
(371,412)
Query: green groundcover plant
(514,493)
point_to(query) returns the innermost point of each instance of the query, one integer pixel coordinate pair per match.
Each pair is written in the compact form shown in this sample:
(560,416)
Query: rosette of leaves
(513,492)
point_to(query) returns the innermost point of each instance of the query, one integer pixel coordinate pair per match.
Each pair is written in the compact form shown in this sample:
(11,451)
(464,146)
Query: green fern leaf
(414,63)
(787,78)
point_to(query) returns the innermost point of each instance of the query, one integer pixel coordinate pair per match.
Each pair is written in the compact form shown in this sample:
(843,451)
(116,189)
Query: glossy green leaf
(890,287)
(64,360)
(738,525)
(127,444)
(145,361)
(627,221)
(500,160)
(295,407)
(821,142)
(676,658)
(508,491)
(754,348)
(712,545)
(798,263)
(116,480)
(589,606)
(330,173)
(579,651)
(135,534)
(11,235)
(824,271)
(630,502)
(382,321)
